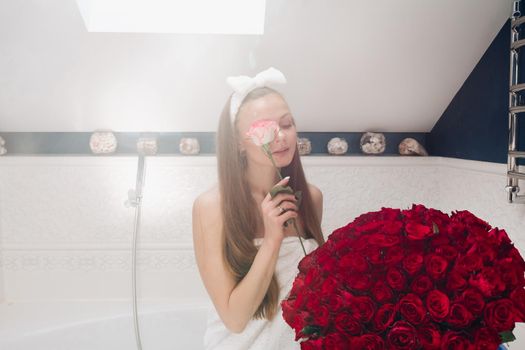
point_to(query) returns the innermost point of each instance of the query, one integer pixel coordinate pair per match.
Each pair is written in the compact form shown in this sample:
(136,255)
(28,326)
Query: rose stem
(280,177)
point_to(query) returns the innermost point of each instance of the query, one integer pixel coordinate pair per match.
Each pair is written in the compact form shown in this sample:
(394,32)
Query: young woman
(247,257)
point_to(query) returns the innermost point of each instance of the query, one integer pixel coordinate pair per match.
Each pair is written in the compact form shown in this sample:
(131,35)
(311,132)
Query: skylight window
(174,16)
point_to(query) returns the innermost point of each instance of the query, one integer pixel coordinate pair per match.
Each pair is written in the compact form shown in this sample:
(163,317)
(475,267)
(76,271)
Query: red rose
(459,316)
(344,245)
(300,298)
(447,251)
(312,302)
(393,227)
(456,231)
(298,284)
(413,262)
(335,341)
(370,227)
(358,281)
(468,218)
(473,301)
(438,305)
(514,254)
(455,341)
(476,234)
(307,263)
(382,240)
(421,284)
(384,317)
(367,342)
(393,255)
(354,261)
(363,308)
(436,266)
(402,335)
(510,273)
(321,316)
(374,255)
(500,315)
(487,339)
(416,231)
(395,278)
(313,344)
(335,302)
(298,321)
(312,276)
(390,214)
(324,255)
(456,282)
(329,264)
(411,308)
(518,298)
(487,252)
(381,292)
(499,236)
(467,264)
(488,281)
(328,286)
(345,323)
(429,336)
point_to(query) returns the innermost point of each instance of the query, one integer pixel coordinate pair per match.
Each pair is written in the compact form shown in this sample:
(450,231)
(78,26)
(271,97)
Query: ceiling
(357,65)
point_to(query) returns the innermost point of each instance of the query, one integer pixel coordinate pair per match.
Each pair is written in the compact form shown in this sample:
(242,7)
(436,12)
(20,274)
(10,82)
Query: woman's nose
(279,136)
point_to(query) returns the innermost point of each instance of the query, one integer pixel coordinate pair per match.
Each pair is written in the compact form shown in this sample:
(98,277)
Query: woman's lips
(281,152)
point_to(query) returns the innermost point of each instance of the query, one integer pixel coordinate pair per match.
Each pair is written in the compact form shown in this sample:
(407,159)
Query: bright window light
(174,16)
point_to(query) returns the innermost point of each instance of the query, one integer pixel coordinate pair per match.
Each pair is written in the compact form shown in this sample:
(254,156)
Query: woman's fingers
(285,206)
(283,182)
(287,216)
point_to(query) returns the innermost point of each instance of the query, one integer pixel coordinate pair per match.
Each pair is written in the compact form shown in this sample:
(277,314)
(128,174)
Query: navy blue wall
(475,124)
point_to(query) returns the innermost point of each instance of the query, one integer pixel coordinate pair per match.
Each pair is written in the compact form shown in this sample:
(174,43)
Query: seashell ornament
(304,145)
(410,147)
(147,146)
(189,146)
(3,150)
(373,143)
(103,142)
(337,146)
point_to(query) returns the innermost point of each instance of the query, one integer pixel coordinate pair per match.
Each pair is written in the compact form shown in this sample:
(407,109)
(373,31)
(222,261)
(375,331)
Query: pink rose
(263,131)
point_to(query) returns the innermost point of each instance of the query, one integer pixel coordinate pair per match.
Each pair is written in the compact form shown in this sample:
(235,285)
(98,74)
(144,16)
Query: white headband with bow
(242,85)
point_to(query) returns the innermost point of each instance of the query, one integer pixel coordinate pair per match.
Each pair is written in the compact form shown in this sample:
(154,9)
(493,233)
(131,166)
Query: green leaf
(507,336)
(311,329)
(435,228)
(280,189)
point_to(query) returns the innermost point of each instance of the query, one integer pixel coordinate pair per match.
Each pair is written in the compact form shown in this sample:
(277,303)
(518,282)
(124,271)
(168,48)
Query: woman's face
(273,107)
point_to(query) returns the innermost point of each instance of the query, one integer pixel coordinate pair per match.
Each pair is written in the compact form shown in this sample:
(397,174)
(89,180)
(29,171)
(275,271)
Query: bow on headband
(243,85)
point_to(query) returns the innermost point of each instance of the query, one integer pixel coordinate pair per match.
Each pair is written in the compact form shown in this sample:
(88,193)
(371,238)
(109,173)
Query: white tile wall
(65,233)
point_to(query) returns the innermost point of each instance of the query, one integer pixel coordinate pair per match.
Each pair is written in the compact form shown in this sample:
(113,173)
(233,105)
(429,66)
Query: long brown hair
(240,214)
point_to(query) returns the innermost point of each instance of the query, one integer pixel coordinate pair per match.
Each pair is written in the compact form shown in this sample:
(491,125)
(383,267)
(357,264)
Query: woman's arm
(235,304)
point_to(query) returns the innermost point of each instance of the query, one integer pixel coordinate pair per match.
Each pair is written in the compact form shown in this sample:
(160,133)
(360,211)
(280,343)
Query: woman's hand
(273,216)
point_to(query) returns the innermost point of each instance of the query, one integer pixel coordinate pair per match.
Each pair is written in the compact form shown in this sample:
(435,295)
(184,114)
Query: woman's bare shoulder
(317,199)
(209,197)
(314,191)
(207,205)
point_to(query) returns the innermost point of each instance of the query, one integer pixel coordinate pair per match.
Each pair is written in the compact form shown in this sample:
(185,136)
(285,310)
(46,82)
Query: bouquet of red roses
(409,279)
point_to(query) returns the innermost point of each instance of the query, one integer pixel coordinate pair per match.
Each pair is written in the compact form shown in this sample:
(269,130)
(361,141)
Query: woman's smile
(281,152)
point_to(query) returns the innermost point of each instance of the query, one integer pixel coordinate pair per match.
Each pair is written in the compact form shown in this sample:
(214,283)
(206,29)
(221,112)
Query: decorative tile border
(88,261)
(69,143)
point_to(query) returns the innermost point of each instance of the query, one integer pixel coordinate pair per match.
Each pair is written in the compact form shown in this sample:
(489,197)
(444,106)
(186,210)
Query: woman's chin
(283,160)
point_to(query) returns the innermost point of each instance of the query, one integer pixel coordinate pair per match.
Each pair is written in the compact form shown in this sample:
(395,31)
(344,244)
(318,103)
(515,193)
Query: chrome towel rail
(515,109)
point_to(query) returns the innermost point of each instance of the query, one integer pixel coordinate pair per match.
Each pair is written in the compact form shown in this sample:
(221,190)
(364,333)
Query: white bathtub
(104,325)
